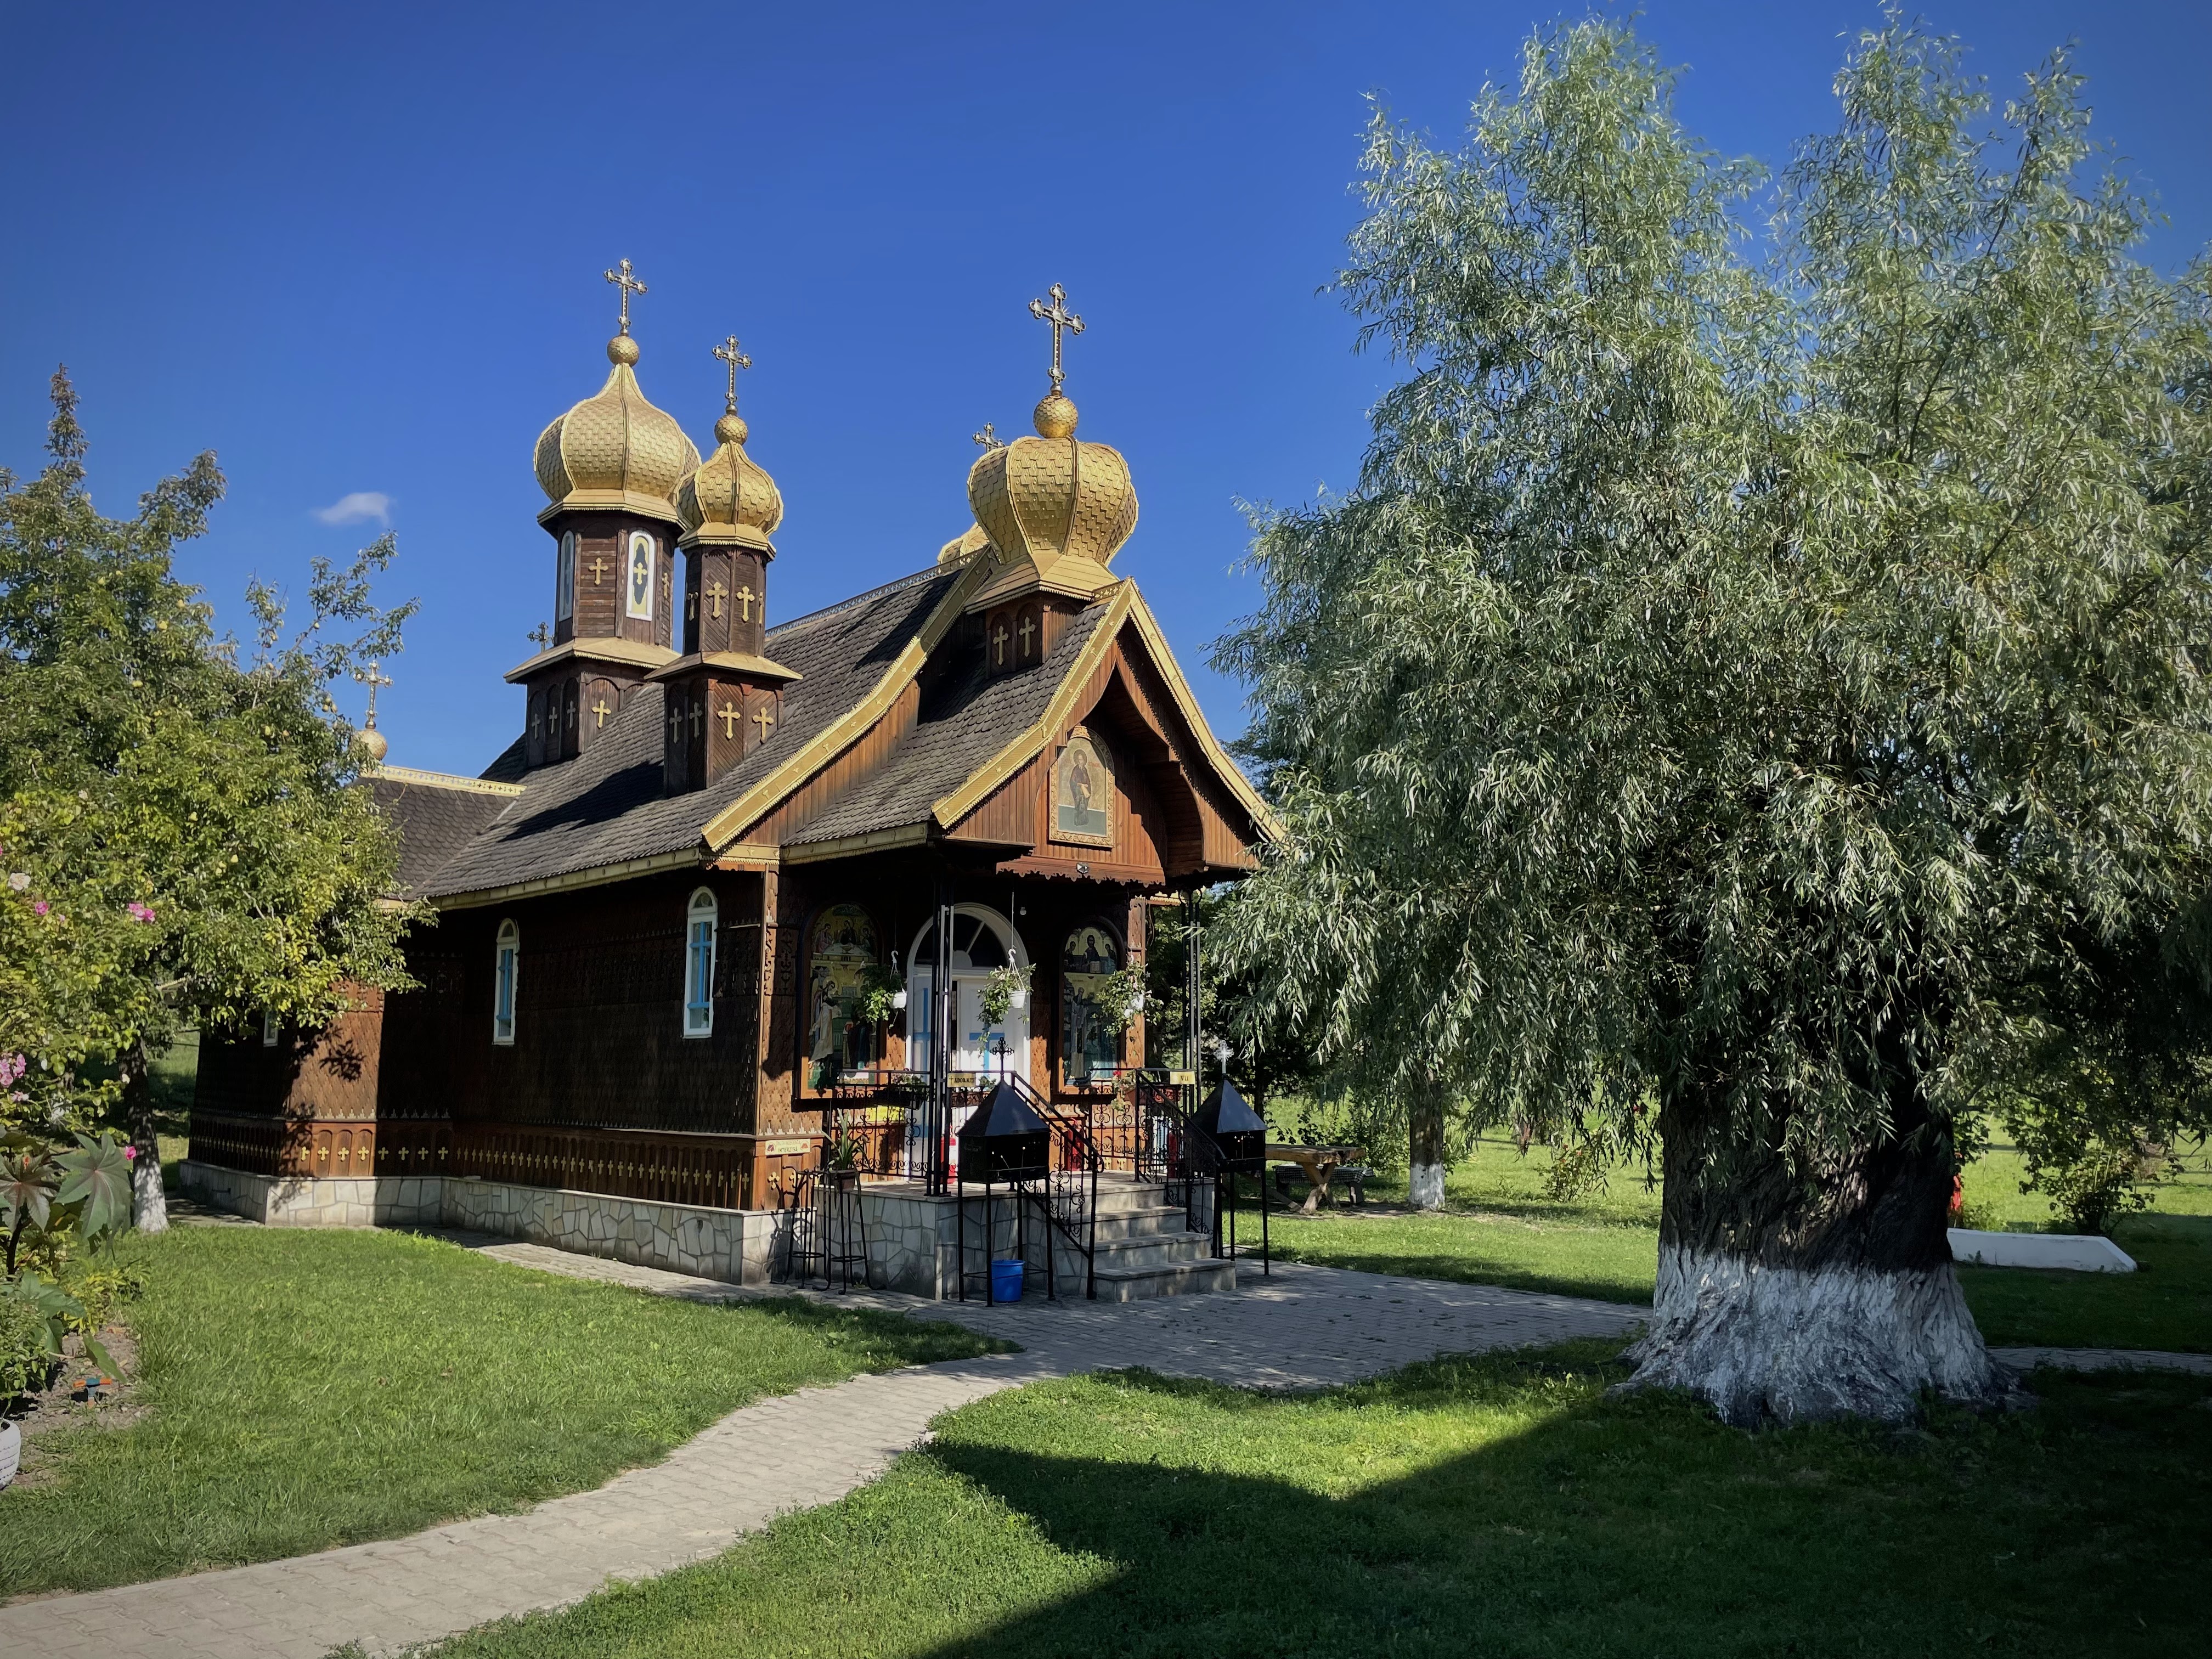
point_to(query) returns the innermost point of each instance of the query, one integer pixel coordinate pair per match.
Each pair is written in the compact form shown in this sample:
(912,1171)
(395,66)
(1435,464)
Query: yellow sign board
(786,1148)
(1183,1079)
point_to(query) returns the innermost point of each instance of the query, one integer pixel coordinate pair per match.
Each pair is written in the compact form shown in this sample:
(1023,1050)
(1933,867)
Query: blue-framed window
(507,968)
(699,965)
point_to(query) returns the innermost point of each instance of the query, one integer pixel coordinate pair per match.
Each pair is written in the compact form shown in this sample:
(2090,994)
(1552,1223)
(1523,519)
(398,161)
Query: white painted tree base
(1790,1344)
(1425,1187)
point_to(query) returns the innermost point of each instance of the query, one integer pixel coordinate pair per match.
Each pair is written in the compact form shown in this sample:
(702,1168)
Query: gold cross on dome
(717,592)
(599,707)
(745,597)
(371,679)
(729,353)
(763,719)
(1059,317)
(727,713)
(626,280)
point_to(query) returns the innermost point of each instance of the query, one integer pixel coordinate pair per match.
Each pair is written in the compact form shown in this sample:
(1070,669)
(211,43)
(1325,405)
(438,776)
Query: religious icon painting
(1083,792)
(638,597)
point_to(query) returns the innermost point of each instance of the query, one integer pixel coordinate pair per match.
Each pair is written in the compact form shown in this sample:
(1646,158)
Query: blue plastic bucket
(1006,1281)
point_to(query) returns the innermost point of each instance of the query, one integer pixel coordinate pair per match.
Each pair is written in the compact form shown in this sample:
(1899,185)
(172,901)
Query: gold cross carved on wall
(998,645)
(599,707)
(727,713)
(1028,629)
(717,592)
(598,569)
(745,597)
(764,721)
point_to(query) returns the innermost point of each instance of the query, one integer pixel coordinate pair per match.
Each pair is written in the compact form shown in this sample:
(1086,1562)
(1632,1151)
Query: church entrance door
(982,940)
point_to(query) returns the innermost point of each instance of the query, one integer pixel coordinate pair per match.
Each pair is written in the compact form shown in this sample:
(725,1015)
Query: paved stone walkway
(1303,1326)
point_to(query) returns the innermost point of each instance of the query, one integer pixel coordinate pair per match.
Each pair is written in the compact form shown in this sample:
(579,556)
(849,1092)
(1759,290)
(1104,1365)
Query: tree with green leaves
(1761,678)
(185,834)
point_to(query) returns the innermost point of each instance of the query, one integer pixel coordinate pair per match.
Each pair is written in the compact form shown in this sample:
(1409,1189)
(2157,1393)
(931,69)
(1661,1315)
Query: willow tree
(1763,648)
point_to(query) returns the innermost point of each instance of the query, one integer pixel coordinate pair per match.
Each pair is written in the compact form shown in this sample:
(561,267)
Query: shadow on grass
(1631,1526)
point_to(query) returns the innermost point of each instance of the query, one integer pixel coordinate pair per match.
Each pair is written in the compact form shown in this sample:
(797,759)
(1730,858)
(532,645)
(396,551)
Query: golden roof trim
(868,841)
(1263,816)
(723,535)
(733,820)
(409,774)
(1016,754)
(611,501)
(593,647)
(598,875)
(735,662)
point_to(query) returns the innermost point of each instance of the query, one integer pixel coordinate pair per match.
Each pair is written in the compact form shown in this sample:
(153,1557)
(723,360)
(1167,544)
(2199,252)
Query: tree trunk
(1789,1295)
(1424,1183)
(149,1204)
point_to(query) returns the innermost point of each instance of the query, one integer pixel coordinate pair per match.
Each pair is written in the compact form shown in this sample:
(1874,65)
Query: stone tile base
(738,1247)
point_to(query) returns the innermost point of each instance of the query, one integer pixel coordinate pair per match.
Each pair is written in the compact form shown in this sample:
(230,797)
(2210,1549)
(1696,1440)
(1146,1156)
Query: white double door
(977,1044)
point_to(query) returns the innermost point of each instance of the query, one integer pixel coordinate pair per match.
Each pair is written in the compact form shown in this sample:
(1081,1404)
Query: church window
(564,579)
(699,965)
(1091,1031)
(638,595)
(843,951)
(505,966)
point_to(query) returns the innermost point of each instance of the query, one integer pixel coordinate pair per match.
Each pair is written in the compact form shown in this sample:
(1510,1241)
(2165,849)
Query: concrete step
(1182,1279)
(1137,1252)
(1156,1221)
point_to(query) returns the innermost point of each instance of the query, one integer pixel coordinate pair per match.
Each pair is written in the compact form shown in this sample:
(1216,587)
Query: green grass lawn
(301,1389)
(1499,1505)
(1500,1228)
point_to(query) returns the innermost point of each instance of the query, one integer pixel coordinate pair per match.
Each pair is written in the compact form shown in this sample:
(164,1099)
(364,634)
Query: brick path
(1306,1327)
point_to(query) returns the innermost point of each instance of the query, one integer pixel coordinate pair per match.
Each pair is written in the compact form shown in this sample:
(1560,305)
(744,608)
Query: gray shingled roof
(435,824)
(964,723)
(606,806)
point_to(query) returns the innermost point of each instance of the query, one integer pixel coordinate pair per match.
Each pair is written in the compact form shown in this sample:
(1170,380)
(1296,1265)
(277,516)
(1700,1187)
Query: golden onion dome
(728,497)
(614,450)
(1064,505)
(372,744)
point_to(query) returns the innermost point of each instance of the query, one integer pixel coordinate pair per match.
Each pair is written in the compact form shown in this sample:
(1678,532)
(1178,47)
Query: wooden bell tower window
(564,579)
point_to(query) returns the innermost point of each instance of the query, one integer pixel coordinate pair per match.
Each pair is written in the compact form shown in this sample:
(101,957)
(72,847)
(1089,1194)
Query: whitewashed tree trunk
(149,1205)
(1788,1295)
(1425,1185)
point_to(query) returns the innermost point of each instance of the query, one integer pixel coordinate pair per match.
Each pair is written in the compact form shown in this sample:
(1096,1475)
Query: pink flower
(40,907)
(130,1152)
(140,912)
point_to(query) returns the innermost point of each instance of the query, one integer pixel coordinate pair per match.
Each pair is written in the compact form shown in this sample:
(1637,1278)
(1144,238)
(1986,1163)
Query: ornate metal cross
(728,352)
(987,438)
(541,636)
(371,679)
(1059,317)
(628,282)
(727,713)
(763,719)
(717,592)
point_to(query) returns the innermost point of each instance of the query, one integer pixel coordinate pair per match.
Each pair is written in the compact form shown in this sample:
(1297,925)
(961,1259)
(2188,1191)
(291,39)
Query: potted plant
(1005,988)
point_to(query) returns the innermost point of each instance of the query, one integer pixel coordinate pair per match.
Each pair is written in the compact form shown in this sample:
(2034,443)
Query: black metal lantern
(1005,1140)
(1239,1133)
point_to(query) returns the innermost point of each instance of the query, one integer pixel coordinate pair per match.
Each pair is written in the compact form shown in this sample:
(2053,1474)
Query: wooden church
(672,914)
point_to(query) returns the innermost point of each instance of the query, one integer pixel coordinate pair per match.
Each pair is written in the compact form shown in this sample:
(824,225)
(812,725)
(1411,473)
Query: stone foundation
(739,1247)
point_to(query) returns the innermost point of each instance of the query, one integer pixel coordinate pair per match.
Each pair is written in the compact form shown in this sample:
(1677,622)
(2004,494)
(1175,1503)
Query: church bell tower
(610,468)
(724,698)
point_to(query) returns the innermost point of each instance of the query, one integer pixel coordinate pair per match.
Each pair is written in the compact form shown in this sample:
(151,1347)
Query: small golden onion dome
(728,497)
(614,450)
(1065,506)
(372,744)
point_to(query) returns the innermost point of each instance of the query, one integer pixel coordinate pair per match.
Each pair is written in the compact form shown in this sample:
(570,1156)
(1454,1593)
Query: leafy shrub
(25,1360)
(101,1293)
(2094,1167)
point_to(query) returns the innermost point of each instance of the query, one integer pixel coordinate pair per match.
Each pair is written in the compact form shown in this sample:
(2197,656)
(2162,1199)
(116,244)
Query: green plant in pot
(1005,988)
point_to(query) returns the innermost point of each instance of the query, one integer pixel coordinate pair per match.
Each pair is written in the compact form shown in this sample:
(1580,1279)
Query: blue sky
(358,251)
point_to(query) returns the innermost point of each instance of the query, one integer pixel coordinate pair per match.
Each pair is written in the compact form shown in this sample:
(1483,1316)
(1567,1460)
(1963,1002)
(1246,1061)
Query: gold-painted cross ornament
(598,567)
(626,280)
(764,721)
(599,707)
(727,713)
(1029,631)
(1059,317)
(717,592)
(745,597)
(728,352)
(371,679)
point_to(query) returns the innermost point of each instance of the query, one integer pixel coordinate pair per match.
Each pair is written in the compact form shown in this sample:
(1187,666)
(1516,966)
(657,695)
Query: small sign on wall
(786,1148)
